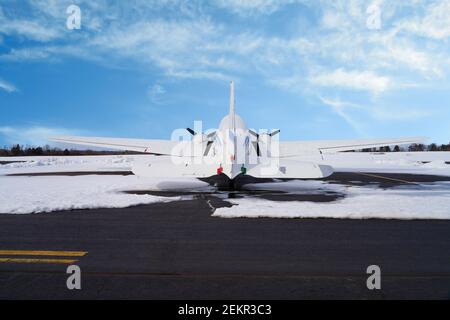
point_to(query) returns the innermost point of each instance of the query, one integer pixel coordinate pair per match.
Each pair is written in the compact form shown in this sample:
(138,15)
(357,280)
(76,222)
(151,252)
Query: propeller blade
(254,133)
(208,147)
(191,131)
(274,133)
(211,135)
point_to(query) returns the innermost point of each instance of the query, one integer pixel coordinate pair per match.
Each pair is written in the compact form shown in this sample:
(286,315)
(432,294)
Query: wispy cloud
(192,44)
(434,23)
(359,116)
(405,54)
(8,87)
(342,110)
(28,29)
(253,7)
(358,80)
(333,54)
(36,28)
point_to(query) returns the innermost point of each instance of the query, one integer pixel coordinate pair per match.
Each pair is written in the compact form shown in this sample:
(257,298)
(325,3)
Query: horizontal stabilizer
(163,167)
(290,169)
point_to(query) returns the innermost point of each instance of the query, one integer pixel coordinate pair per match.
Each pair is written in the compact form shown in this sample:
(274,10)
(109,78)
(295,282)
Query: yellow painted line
(27,260)
(386,178)
(42,253)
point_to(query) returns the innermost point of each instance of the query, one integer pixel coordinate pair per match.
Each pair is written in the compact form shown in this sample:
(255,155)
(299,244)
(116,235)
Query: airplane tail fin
(232,110)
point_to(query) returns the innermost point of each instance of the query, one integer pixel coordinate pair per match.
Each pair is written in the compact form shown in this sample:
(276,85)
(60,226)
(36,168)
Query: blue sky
(314,69)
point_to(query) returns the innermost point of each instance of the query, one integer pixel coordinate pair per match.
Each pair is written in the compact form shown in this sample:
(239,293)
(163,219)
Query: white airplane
(232,150)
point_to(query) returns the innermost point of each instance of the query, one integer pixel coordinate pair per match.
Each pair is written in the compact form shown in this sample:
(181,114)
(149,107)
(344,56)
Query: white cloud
(355,80)
(187,42)
(334,54)
(26,54)
(28,29)
(45,20)
(338,104)
(347,42)
(373,111)
(253,7)
(179,48)
(34,29)
(407,56)
(34,135)
(434,24)
(8,87)
(340,108)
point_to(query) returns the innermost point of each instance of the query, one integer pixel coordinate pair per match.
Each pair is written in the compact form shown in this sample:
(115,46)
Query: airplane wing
(299,148)
(158,147)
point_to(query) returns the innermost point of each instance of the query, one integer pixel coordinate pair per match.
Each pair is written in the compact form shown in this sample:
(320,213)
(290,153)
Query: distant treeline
(412,148)
(18,150)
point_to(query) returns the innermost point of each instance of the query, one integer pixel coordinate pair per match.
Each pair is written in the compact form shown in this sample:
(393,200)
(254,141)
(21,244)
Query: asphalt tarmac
(178,250)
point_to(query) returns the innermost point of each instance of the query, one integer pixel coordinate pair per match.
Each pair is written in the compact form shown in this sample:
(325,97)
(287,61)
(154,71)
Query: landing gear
(231,184)
(222,182)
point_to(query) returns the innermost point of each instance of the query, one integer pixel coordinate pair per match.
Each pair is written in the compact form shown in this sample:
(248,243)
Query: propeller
(273,133)
(210,139)
(256,144)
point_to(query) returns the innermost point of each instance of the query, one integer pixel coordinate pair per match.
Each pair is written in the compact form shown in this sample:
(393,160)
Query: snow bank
(429,201)
(20,195)
(67,164)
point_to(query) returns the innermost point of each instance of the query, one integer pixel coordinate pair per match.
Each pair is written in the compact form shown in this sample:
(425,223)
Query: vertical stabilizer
(232,112)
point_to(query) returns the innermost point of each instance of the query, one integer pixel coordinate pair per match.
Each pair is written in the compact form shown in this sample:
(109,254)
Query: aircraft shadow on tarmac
(242,187)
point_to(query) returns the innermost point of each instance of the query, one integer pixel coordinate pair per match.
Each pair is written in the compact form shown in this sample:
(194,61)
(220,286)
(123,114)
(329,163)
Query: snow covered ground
(66,164)
(21,194)
(399,162)
(424,201)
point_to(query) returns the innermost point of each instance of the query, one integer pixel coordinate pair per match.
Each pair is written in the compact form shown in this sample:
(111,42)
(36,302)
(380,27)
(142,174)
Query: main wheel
(231,184)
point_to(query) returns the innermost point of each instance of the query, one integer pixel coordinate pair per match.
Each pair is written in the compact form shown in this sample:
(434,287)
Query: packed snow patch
(427,201)
(21,195)
(67,164)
